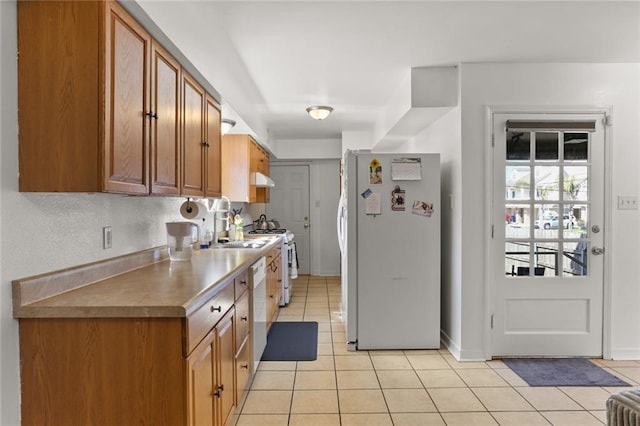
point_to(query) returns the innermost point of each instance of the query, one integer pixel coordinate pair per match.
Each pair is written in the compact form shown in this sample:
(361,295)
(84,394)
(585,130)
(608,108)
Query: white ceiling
(270,60)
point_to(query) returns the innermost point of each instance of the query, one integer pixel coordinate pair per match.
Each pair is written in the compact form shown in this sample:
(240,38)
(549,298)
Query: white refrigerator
(389,233)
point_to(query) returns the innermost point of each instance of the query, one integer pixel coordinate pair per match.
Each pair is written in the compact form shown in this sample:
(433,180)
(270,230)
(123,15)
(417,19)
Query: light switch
(627,202)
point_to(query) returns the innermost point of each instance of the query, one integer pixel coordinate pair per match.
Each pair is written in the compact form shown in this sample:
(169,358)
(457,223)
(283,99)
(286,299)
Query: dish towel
(293,262)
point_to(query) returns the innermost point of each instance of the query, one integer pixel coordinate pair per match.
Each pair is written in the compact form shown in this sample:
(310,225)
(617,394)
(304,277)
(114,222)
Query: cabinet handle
(217,394)
(218,309)
(245,366)
(244,282)
(152,114)
(271,296)
(244,318)
(221,388)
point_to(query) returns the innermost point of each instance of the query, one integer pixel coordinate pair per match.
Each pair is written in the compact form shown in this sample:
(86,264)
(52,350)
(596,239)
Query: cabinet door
(254,161)
(165,122)
(236,168)
(213,181)
(126,152)
(200,391)
(243,371)
(243,319)
(193,140)
(57,42)
(272,293)
(225,376)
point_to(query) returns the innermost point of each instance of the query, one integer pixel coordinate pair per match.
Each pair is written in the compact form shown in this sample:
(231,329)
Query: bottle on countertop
(239,225)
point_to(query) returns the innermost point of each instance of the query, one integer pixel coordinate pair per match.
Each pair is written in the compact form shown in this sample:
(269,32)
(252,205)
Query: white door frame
(489,256)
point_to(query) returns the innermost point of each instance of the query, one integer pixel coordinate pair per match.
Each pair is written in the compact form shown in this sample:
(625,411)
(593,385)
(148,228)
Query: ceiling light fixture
(227,124)
(319,112)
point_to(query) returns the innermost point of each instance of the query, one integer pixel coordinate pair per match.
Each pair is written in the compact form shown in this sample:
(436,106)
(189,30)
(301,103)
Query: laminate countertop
(161,289)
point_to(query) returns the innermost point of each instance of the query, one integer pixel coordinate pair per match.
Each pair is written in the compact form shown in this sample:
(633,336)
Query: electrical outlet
(106,237)
(627,203)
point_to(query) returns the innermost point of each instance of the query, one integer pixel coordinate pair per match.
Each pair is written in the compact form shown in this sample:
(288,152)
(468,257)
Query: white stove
(288,262)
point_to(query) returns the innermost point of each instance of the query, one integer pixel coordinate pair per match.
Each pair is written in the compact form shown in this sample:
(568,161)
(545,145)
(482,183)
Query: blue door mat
(292,341)
(562,372)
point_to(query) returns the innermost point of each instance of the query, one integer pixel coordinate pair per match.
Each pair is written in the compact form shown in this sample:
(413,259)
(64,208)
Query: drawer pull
(244,318)
(243,282)
(218,309)
(245,366)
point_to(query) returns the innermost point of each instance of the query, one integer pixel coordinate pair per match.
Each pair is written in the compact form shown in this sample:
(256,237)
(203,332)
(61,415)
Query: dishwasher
(259,324)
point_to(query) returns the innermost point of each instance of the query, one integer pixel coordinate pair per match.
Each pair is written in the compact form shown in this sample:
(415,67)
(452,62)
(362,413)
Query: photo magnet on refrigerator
(375,172)
(397,199)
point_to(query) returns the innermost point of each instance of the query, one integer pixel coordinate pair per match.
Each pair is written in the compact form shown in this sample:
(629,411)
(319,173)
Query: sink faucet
(216,208)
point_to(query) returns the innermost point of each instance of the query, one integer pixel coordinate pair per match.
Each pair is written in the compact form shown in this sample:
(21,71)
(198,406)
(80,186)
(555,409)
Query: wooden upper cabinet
(193,137)
(59,105)
(213,187)
(165,126)
(126,151)
(101,106)
(242,158)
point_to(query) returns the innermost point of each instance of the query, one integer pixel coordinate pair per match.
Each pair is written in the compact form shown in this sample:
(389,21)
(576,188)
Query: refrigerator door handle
(339,223)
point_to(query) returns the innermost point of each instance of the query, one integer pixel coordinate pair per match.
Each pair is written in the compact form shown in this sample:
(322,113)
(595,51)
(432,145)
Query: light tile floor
(405,387)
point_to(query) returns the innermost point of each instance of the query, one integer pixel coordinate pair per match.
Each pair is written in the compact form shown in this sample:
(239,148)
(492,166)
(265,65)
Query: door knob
(596,251)
(306,225)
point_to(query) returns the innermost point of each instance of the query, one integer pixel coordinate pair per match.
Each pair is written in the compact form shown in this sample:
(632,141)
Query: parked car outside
(547,222)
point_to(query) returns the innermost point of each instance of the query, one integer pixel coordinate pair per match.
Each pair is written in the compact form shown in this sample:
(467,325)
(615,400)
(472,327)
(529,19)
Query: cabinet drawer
(205,318)
(243,319)
(242,284)
(243,370)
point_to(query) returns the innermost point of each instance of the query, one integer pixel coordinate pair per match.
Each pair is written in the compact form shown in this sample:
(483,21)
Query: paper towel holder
(189,209)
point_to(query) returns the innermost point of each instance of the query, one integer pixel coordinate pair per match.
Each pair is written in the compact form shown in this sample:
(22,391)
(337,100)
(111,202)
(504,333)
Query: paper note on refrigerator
(406,169)
(373,203)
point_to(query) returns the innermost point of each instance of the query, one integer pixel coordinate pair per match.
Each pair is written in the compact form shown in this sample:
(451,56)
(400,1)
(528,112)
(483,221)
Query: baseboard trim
(625,354)
(460,354)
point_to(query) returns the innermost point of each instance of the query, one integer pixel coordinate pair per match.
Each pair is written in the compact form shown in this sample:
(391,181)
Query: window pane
(518,186)
(546,259)
(576,183)
(547,178)
(576,146)
(517,221)
(576,221)
(575,259)
(516,258)
(518,145)
(546,146)
(547,222)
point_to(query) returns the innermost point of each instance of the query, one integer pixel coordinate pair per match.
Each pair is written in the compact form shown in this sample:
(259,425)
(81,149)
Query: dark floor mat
(292,341)
(562,372)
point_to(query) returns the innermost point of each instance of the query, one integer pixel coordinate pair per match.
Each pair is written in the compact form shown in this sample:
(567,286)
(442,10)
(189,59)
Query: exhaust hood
(263,181)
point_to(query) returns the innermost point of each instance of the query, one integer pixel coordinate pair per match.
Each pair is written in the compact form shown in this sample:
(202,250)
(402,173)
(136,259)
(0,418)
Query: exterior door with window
(548,234)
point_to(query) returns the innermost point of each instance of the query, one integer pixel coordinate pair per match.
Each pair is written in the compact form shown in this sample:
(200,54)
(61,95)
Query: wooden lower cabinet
(274,286)
(200,401)
(224,390)
(211,381)
(102,371)
(133,371)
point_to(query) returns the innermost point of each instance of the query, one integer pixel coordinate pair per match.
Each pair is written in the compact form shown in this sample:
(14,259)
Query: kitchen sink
(247,244)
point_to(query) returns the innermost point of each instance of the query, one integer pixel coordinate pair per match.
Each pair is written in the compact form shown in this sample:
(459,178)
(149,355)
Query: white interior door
(548,234)
(289,203)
